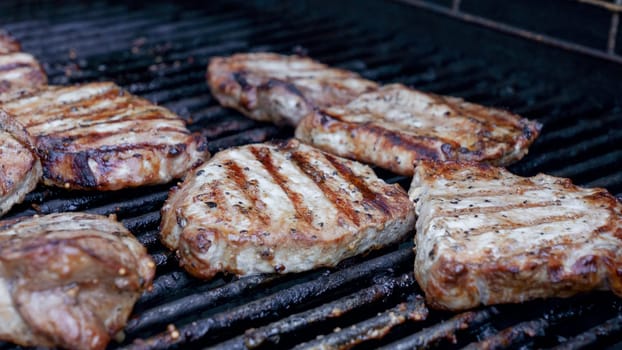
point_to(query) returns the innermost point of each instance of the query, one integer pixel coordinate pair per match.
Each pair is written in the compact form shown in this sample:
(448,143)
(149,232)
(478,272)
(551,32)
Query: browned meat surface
(7,43)
(20,74)
(20,169)
(396,125)
(486,236)
(281,89)
(282,207)
(68,279)
(98,136)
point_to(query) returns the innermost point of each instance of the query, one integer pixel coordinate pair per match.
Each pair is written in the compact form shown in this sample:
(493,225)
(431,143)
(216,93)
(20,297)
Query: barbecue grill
(159,50)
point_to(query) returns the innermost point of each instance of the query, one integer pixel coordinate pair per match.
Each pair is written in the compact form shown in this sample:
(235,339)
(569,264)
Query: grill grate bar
(259,134)
(593,335)
(272,305)
(196,302)
(580,127)
(274,332)
(421,74)
(172,66)
(556,316)
(110,31)
(379,44)
(163,258)
(149,202)
(613,182)
(431,336)
(486,94)
(33,20)
(456,85)
(149,238)
(590,169)
(512,335)
(164,285)
(373,328)
(575,152)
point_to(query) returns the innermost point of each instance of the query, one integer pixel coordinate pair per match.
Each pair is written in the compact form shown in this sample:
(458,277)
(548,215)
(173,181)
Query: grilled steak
(97,136)
(282,207)
(281,89)
(20,74)
(68,279)
(7,43)
(486,236)
(395,126)
(20,169)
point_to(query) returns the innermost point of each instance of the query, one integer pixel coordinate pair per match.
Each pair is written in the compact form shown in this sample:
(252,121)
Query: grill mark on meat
(524,224)
(107,92)
(240,78)
(491,192)
(369,196)
(410,143)
(14,65)
(273,83)
(34,246)
(302,211)
(69,110)
(415,143)
(93,136)
(81,166)
(411,140)
(318,176)
(105,118)
(236,174)
(494,209)
(53,149)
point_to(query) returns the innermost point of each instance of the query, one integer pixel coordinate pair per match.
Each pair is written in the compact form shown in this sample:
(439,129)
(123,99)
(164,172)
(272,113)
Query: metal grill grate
(160,51)
(607,51)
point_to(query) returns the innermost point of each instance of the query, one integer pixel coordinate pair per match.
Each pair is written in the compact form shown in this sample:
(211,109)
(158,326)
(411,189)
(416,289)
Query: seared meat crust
(68,279)
(98,136)
(486,236)
(281,89)
(396,125)
(20,169)
(282,207)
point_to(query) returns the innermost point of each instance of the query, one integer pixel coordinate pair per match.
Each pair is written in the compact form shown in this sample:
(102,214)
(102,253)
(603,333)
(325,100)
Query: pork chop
(98,136)
(68,279)
(280,207)
(20,169)
(486,236)
(281,89)
(396,125)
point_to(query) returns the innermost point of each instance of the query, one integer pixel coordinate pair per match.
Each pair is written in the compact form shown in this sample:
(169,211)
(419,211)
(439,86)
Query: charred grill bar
(160,51)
